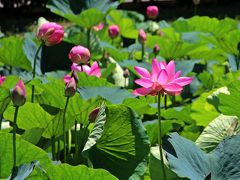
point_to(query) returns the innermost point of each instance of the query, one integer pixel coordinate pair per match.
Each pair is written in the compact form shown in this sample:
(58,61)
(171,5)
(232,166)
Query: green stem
(1,118)
(76,138)
(64,131)
(195,10)
(238,60)
(112,41)
(14,169)
(165,101)
(58,148)
(143,52)
(34,70)
(53,148)
(160,136)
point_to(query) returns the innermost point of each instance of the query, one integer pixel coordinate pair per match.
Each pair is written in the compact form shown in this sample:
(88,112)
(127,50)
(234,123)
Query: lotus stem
(160,136)
(165,101)
(1,119)
(34,70)
(64,131)
(89,38)
(143,51)
(14,169)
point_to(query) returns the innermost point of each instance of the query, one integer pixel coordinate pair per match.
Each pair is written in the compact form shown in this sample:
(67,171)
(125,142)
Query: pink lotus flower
(113,31)
(79,55)
(142,37)
(162,79)
(19,94)
(98,27)
(50,33)
(152,12)
(94,70)
(2,79)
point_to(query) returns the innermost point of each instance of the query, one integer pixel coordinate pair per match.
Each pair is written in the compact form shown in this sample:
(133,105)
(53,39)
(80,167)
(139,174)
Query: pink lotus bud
(126,73)
(2,79)
(50,33)
(156,49)
(79,55)
(113,31)
(70,88)
(98,27)
(19,94)
(142,37)
(93,115)
(152,12)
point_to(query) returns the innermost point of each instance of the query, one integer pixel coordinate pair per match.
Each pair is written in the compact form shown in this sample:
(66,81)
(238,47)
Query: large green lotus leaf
(227,159)
(122,146)
(87,18)
(152,129)
(81,108)
(30,115)
(186,159)
(5,99)
(55,126)
(12,54)
(53,94)
(115,53)
(65,171)
(155,166)
(171,47)
(229,103)
(202,111)
(115,95)
(26,152)
(220,128)
(140,105)
(91,81)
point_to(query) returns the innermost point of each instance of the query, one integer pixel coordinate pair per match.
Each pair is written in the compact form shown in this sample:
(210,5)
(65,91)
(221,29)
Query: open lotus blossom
(50,33)
(162,79)
(93,70)
(19,94)
(152,12)
(2,79)
(79,55)
(113,31)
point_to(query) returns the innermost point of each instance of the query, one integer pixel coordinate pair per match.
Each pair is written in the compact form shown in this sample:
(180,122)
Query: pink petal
(173,87)
(155,69)
(163,65)
(147,83)
(142,91)
(95,70)
(163,77)
(182,81)
(67,78)
(177,74)
(75,67)
(142,72)
(171,69)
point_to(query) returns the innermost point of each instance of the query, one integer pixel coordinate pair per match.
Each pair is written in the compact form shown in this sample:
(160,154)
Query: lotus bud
(113,31)
(196,2)
(156,49)
(126,73)
(93,115)
(142,37)
(70,88)
(19,94)
(79,55)
(2,79)
(50,33)
(152,12)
